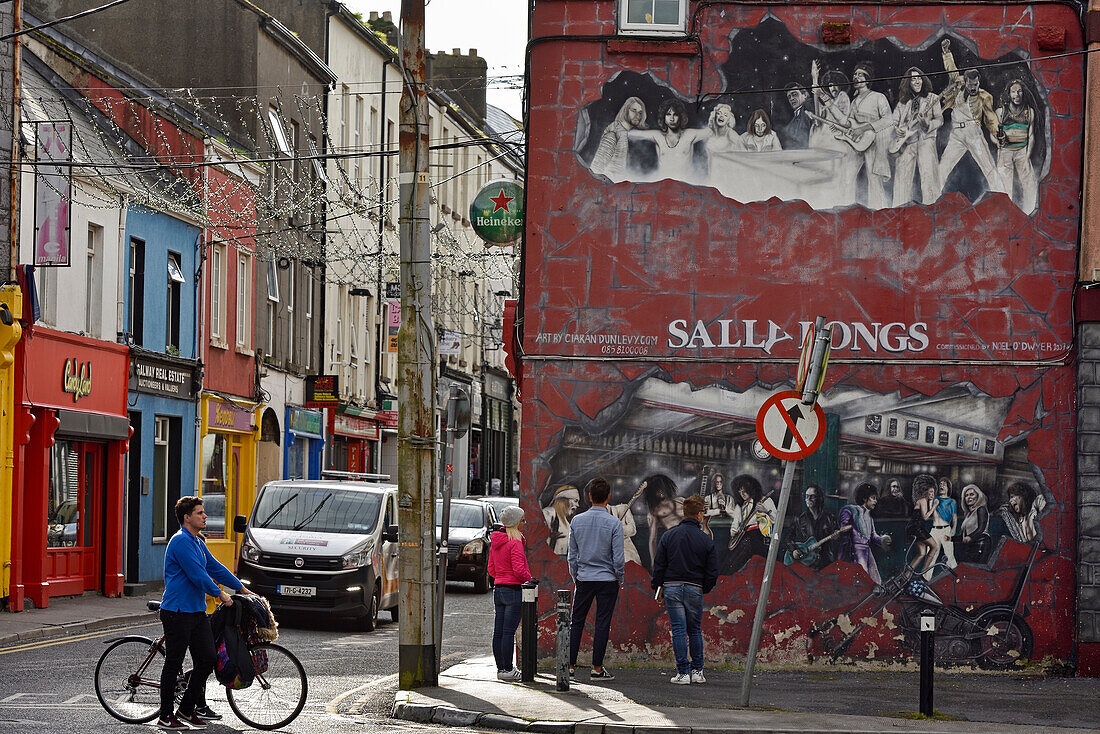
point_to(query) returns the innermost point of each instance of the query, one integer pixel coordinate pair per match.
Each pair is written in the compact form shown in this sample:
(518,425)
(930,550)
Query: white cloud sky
(497,29)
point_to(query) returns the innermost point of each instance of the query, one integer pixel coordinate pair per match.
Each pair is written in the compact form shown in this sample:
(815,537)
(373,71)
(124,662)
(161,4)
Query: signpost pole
(809,397)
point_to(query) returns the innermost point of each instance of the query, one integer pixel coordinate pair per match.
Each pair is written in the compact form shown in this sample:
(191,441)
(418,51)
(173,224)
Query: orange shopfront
(72,436)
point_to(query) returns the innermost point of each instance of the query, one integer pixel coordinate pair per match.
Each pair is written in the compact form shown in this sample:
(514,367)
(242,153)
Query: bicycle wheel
(276,696)
(127,680)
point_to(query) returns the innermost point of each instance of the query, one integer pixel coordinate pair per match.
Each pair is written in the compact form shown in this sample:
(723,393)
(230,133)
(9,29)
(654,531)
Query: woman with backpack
(508,567)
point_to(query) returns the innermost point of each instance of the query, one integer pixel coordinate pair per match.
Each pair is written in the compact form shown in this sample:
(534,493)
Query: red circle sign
(788,429)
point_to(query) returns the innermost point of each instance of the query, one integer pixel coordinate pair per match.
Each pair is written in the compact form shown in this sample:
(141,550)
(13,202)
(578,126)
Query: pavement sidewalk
(640,701)
(73,615)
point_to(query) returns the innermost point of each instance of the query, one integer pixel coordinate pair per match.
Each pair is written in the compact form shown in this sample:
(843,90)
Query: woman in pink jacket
(508,567)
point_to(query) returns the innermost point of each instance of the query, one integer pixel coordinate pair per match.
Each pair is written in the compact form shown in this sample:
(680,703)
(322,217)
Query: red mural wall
(662,304)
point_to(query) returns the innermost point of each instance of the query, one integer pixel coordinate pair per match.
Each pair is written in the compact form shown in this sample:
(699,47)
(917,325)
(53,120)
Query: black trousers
(605,594)
(183,630)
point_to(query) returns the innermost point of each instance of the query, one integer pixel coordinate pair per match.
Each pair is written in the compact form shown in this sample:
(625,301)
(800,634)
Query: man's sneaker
(680,679)
(509,675)
(573,674)
(207,714)
(697,677)
(172,724)
(191,720)
(604,674)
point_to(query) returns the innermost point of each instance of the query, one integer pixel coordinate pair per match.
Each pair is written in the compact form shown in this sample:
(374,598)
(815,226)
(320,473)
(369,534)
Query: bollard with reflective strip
(565,604)
(927,659)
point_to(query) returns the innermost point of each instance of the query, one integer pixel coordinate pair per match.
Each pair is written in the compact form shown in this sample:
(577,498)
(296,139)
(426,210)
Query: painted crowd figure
(841,131)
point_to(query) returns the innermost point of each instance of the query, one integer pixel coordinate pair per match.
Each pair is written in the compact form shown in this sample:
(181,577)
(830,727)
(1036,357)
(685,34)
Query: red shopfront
(354,442)
(72,436)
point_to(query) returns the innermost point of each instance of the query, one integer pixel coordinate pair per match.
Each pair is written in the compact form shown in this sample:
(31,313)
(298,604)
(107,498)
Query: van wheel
(481,583)
(370,621)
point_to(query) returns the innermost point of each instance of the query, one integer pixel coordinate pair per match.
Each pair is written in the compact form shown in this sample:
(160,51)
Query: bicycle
(127,683)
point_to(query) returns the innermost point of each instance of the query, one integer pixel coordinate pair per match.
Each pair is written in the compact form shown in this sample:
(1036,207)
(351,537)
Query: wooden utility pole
(416,360)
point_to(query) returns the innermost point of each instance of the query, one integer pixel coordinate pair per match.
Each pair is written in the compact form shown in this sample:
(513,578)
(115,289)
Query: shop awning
(93,425)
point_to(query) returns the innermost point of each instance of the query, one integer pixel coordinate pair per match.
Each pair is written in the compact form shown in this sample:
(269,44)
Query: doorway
(74,533)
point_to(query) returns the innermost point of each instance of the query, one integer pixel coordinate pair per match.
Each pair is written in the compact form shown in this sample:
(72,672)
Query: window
(244,297)
(339,324)
(136,317)
(358,131)
(160,478)
(290,297)
(272,299)
(295,141)
(92,305)
(389,161)
(172,302)
(308,307)
(217,293)
(653,17)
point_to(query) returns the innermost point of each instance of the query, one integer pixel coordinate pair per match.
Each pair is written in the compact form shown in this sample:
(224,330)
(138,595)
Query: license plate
(296,590)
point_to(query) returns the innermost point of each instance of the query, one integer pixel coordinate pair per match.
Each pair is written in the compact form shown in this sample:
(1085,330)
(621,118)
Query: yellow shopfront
(228,471)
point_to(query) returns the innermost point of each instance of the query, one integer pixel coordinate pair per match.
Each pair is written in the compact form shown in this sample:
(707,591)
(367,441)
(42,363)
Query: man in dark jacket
(684,568)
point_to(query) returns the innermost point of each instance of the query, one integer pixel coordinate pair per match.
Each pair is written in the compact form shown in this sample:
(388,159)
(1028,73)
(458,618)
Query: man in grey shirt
(596,563)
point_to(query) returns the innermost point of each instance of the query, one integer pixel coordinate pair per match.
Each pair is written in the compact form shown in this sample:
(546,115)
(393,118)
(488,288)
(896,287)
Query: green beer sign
(497,212)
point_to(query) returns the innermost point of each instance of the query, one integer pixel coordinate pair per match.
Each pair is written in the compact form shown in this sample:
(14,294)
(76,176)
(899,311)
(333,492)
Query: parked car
(324,548)
(499,503)
(468,541)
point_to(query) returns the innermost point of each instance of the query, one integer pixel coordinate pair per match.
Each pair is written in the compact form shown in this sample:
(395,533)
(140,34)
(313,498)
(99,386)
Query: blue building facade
(161,303)
(304,443)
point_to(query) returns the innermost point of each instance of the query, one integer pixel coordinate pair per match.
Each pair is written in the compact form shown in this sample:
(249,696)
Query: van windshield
(306,508)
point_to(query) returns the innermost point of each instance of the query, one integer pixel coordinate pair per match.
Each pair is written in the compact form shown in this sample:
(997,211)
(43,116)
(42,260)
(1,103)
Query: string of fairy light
(322,207)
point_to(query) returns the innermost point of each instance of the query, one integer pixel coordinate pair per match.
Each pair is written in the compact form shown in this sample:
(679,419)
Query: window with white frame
(355,173)
(244,299)
(92,286)
(217,293)
(307,296)
(272,301)
(160,478)
(339,324)
(668,17)
(291,296)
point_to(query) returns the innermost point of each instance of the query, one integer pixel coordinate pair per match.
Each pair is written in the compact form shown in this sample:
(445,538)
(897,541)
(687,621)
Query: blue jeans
(509,606)
(685,618)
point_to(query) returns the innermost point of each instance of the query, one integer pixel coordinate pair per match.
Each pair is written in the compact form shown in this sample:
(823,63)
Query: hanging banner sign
(496,213)
(393,325)
(52,194)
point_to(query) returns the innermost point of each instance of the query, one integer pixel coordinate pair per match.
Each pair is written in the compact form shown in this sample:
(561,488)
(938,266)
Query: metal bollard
(565,605)
(927,659)
(529,632)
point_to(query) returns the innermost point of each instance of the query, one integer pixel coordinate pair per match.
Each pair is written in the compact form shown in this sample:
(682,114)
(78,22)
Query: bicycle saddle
(153,606)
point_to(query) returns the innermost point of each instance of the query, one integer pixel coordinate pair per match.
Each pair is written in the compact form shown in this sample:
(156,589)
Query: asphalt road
(46,686)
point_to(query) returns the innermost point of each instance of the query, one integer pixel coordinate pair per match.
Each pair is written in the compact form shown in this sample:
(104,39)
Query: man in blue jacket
(685,568)
(190,572)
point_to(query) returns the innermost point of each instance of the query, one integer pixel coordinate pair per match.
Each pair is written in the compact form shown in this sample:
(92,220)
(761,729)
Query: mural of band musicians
(880,126)
(922,482)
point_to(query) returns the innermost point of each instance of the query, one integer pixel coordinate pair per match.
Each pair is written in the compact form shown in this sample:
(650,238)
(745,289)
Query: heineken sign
(497,212)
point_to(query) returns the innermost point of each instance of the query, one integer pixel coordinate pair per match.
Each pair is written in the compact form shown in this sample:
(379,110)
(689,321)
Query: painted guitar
(844,132)
(807,552)
(913,127)
(748,520)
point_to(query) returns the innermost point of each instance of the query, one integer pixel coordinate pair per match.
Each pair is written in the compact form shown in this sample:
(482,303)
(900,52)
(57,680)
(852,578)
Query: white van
(323,547)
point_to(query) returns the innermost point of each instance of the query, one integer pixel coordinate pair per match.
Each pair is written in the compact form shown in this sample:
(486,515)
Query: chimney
(462,77)
(374,15)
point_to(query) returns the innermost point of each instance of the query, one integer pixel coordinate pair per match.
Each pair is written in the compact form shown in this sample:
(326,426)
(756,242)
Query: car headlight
(249,552)
(473,548)
(358,557)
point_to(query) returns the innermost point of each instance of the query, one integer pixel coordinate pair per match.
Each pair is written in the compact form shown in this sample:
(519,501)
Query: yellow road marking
(74,638)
